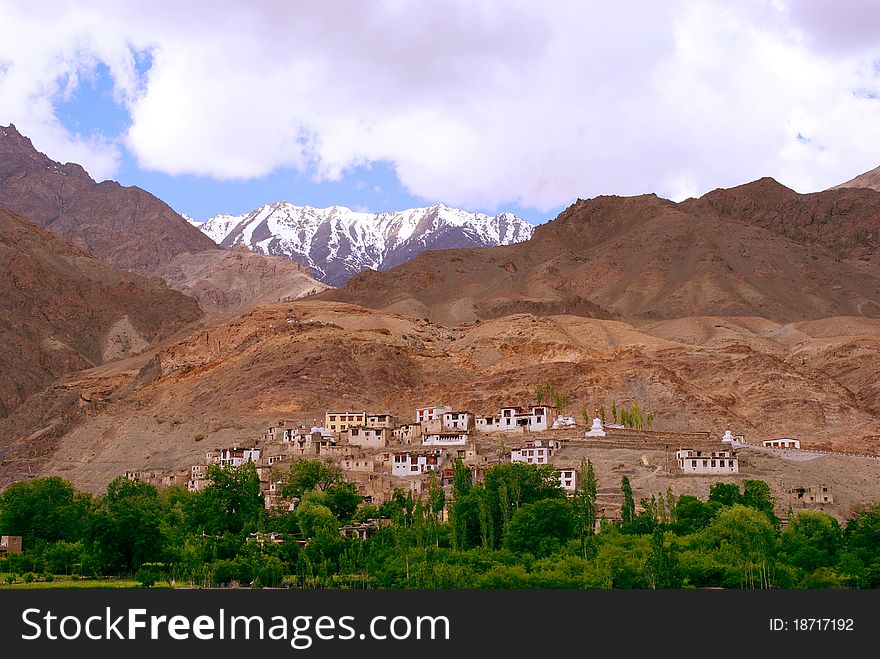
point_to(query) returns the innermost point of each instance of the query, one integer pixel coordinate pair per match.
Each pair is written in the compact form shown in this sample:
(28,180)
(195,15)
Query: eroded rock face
(62,310)
(124,226)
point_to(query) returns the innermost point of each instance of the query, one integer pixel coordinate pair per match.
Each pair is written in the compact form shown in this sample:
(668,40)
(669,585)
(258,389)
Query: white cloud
(475,104)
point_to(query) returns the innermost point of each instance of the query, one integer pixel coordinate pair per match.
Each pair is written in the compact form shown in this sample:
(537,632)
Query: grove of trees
(514,529)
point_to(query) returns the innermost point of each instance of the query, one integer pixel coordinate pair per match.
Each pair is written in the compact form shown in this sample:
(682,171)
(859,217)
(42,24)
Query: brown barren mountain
(870,179)
(131,229)
(221,385)
(62,310)
(124,226)
(227,281)
(757,250)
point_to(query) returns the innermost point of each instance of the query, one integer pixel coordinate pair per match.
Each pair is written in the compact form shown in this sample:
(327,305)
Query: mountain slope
(869,179)
(757,250)
(125,227)
(62,310)
(337,242)
(225,281)
(222,384)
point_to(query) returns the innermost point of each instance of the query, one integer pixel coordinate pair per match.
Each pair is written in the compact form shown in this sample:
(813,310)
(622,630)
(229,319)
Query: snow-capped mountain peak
(337,242)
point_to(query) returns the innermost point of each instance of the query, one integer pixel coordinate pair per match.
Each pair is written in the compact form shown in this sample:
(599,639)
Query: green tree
(314,517)
(231,499)
(126,529)
(757,494)
(540,528)
(306,475)
(691,515)
(585,506)
(746,540)
(724,494)
(585,415)
(342,499)
(811,540)
(628,508)
(44,509)
(661,565)
(614,410)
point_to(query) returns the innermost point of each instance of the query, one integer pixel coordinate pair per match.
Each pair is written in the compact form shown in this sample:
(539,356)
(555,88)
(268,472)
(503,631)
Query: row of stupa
(598,430)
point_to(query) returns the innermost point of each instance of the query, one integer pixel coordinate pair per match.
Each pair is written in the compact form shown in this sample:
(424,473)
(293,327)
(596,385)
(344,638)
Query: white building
(446,438)
(410,463)
(430,412)
(531,419)
(568,479)
(370,437)
(487,423)
(692,461)
(235,457)
(458,420)
(537,451)
(782,442)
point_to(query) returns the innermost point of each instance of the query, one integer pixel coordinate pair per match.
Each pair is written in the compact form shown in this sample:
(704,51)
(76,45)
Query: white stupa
(596,430)
(563,422)
(728,437)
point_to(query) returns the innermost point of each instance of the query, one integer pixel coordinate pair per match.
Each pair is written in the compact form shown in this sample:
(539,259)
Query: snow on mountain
(337,242)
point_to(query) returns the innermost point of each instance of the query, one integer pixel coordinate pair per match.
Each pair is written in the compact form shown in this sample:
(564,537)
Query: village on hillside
(382,454)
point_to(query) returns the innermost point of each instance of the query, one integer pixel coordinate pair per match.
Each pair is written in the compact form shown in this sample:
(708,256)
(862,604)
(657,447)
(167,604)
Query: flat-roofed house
(368,437)
(536,451)
(339,422)
(431,412)
(692,461)
(415,463)
(446,438)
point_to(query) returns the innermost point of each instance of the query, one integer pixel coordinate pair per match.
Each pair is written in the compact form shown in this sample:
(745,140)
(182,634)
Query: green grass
(66,583)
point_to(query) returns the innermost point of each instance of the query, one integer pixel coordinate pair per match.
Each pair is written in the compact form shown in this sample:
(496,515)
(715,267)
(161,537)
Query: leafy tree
(540,528)
(342,499)
(306,475)
(661,565)
(811,540)
(628,508)
(614,410)
(231,499)
(585,415)
(585,506)
(862,536)
(314,517)
(747,540)
(691,514)
(43,509)
(724,494)
(125,531)
(757,494)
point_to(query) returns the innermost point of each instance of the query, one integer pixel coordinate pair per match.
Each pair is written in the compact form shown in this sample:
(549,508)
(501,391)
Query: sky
(489,106)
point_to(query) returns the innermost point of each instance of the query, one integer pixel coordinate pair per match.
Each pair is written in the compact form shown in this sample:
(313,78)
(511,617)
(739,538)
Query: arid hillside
(870,179)
(756,250)
(123,226)
(224,383)
(62,310)
(226,281)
